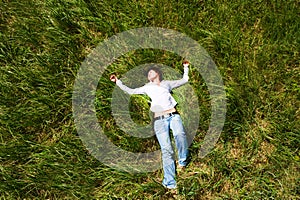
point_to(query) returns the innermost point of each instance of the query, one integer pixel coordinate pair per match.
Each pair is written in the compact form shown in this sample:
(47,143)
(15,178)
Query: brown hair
(157,70)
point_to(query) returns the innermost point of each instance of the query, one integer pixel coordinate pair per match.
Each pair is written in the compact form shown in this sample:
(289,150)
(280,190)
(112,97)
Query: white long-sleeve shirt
(161,98)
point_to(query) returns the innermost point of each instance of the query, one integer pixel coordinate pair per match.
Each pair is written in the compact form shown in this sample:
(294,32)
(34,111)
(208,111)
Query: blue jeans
(162,130)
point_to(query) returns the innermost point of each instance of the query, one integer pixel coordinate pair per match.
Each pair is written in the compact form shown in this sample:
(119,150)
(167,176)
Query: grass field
(255,45)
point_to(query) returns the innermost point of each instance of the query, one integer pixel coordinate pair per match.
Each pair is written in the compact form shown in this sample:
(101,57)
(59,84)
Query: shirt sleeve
(140,90)
(180,82)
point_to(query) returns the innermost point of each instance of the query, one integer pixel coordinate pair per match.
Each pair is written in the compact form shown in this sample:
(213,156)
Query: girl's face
(152,75)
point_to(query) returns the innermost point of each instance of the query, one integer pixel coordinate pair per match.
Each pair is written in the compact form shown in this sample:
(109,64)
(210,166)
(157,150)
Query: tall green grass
(255,46)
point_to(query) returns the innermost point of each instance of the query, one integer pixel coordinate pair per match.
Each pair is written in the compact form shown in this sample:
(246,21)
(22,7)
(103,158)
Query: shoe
(180,169)
(169,188)
(171,191)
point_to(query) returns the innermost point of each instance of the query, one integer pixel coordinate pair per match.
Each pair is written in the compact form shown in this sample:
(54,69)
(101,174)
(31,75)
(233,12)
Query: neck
(156,81)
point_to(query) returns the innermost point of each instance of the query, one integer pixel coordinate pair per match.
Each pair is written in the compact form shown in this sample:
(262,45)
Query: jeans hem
(170,187)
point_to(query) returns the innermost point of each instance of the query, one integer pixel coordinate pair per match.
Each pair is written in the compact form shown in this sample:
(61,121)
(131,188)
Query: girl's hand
(113,78)
(186,63)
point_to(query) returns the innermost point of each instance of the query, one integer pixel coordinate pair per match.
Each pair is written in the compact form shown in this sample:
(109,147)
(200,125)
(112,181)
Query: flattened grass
(255,46)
